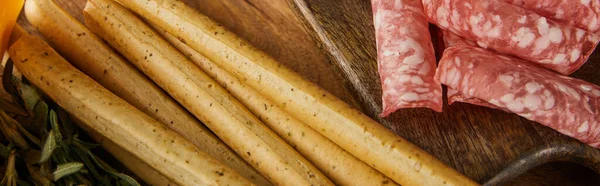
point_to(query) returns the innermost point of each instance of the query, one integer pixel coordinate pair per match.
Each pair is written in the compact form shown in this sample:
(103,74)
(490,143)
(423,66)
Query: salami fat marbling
(512,30)
(568,105)
(451,40)
(584,14)
(405,56)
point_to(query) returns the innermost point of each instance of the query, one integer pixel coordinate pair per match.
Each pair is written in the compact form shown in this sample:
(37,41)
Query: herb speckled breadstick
(201,95)
(111,116)
(358,134)
(90,54)
(332,160)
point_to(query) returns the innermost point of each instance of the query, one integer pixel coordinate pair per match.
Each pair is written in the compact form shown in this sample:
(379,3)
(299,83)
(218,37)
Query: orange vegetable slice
(9,11)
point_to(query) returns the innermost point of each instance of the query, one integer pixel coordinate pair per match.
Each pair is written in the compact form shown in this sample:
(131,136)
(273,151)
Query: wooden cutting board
(331,43)
(477,141)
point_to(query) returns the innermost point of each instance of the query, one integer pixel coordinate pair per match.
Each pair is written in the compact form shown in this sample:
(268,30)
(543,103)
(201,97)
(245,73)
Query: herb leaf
(49,147)
(40,118)
(101,163)
(129,180)
(66,169)
(82,152)
(68,128)
(29,95)
(55,125)
(86,144)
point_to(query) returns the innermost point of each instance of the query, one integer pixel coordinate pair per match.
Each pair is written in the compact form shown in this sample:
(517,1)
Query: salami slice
(568,105)
(584,14)
(405,56)
(451,40)
(512,30)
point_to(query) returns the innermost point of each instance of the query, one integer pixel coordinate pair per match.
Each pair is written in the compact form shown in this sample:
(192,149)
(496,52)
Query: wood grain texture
(273,27)
(477,141)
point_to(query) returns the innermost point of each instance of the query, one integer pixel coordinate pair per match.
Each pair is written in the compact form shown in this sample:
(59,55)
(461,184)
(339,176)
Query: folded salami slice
(584,14)
(405,56)
(568,105)
(451,40)
(513,30)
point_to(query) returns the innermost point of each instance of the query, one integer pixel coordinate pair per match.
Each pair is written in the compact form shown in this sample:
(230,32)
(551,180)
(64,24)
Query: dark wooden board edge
(552,152)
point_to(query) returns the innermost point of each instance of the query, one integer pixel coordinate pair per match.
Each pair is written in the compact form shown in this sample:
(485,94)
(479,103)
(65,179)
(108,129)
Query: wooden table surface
(476,141)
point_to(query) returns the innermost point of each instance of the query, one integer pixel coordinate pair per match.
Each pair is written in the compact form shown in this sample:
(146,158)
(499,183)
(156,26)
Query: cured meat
(568,105)
(584,14)
(451,40)
(513,30)
(405,56)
